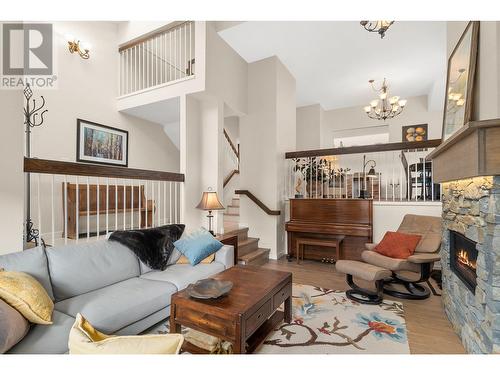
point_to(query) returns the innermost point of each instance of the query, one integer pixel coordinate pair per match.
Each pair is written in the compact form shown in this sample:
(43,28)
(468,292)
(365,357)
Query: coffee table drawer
(216,325)
(282,295)
(258,317)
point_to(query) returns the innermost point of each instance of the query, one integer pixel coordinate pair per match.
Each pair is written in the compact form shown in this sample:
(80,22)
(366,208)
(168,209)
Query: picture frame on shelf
(459,94)
(101,144)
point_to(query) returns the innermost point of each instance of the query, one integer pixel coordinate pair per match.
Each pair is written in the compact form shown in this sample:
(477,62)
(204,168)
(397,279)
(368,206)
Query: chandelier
(386,107)
(377,26)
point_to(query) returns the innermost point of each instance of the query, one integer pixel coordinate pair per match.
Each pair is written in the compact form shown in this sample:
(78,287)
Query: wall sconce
(80,47)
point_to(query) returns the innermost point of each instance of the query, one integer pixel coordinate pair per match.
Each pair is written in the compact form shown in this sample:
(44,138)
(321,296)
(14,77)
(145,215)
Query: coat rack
(33,117)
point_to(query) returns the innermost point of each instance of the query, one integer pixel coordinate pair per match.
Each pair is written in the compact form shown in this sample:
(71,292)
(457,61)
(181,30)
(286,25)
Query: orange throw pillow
(398,245)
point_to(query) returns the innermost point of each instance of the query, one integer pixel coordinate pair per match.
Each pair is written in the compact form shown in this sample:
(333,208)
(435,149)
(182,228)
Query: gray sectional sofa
(106,283)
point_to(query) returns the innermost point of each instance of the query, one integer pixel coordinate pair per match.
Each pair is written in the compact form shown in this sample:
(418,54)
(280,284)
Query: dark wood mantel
(472,151)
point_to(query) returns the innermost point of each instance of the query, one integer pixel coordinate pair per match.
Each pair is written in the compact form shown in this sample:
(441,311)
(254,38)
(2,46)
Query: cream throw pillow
(27,296)
(207,260)
(85,339)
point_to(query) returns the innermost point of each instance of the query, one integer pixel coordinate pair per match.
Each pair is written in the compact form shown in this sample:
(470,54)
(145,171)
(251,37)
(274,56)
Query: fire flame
(463,257)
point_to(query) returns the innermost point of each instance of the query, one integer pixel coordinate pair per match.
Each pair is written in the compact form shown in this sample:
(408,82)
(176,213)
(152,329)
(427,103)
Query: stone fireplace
(470,260)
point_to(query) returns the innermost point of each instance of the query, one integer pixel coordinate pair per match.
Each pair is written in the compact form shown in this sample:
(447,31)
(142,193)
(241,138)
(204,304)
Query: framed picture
(101,144)
(414,133)
(460,81)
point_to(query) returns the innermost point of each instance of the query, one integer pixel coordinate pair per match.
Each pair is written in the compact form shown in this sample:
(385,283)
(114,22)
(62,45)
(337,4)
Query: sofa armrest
(225,256)
(424,258)
(370,246)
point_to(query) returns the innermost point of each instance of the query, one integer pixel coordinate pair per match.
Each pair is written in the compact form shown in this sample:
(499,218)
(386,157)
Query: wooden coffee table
(245,315)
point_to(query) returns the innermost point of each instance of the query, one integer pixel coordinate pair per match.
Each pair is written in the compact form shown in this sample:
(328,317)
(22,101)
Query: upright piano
(326,219)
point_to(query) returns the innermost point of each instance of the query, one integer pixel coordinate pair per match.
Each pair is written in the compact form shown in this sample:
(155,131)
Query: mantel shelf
(472,151)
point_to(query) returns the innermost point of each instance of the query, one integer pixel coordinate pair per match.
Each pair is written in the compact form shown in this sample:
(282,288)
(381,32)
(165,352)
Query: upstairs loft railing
(72,202)
(231,159)
(164,57)
(399,173)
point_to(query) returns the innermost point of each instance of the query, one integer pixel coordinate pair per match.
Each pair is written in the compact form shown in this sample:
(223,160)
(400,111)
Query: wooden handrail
(233,147)
(229,177)
(80,169)
(151,35)
(253,198)
(363,149)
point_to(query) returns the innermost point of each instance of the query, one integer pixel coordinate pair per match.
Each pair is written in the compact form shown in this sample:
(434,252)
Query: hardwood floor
(429,331)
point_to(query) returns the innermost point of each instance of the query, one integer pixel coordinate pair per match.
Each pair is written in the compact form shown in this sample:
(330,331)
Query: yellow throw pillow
(207,260)
(85,339)
(27,296)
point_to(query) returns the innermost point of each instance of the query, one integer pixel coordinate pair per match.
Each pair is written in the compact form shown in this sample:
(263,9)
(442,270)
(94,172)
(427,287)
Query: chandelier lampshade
(385,107)
(379,27)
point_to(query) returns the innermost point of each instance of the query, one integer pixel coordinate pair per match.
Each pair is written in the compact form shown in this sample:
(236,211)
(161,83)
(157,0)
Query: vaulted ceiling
(332,61)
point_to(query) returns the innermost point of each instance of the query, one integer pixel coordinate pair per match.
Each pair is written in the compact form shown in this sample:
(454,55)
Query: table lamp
(209,202)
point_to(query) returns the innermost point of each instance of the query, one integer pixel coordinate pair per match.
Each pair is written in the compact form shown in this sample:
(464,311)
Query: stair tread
(230,232)
(249,240)
(232,206)
(254,254)
(228,214)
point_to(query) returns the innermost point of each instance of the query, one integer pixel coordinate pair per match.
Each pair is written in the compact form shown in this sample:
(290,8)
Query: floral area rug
(324,321)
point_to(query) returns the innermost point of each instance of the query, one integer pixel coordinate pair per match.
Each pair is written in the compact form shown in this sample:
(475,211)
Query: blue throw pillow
(198,245)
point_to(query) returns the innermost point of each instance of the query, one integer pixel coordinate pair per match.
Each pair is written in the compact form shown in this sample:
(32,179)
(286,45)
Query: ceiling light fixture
(78,46)
(385,107)
(377,26)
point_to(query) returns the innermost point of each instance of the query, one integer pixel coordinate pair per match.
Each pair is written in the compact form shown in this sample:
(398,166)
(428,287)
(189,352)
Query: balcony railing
(386,172)
(82,202)
(164,57)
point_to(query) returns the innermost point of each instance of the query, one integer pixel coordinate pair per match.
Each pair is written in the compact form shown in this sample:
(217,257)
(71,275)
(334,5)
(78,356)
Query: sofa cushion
(198,245)
(181,275)
(398,245)
(85,339)
(116,306)
(372,257)
(24,293)
(31,261)
(47,339)
(80,268)
(13,327)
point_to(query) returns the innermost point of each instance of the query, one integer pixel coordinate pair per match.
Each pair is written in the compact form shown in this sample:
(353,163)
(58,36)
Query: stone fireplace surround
(472,208)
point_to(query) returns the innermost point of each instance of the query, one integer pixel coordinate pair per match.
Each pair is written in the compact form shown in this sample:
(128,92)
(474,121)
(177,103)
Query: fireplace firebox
(463,257)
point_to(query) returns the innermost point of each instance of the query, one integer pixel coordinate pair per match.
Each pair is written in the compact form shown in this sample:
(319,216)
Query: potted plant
(316,172)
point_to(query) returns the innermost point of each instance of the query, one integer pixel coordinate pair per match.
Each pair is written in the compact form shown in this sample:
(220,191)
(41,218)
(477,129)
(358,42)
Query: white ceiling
(332,61)
(165,112)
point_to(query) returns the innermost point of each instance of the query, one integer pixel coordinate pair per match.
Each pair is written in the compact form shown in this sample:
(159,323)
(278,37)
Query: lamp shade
(371,173)
(210,201)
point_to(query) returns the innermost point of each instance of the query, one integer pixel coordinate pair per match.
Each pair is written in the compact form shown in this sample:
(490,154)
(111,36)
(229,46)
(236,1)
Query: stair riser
(258,261)
(233,210)
(245,249)
(231,219)
(235,202)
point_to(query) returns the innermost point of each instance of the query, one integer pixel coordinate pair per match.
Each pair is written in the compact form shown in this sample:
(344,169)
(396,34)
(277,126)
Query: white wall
(309,120)
(415,112)
(487,84)
(11,167)
(226,72)
(129,30)
(232,126)
(387,216)
(266,132)
(85,89)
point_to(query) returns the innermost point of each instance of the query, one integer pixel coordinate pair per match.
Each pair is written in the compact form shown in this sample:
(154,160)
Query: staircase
(249,252)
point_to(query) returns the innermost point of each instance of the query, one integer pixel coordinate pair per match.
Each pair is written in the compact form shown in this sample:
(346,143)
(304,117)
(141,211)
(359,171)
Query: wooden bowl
(209,288)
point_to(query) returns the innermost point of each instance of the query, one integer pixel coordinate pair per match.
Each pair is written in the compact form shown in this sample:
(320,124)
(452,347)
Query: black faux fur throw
(152,246)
